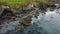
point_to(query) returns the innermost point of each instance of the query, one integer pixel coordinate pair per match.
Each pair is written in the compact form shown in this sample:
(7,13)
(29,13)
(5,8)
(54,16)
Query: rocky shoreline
(26,11)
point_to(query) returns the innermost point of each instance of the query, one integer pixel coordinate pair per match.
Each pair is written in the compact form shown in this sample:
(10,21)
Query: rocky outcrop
(7,13)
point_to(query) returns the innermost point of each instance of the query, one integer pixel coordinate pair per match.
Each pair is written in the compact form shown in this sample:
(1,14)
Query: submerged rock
(6,15)
(26,21)
(19,29)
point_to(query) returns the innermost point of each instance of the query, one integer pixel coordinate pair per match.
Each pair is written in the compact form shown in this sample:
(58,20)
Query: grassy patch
(18,3)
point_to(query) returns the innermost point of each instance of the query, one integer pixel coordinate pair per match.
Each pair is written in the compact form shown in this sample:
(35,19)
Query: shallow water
(51,20)
(50,23)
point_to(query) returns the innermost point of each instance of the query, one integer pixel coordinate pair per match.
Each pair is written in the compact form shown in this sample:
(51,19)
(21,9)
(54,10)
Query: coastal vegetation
(18,3)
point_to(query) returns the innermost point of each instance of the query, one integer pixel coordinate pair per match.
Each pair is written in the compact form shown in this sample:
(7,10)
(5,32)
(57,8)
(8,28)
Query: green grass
(18,3)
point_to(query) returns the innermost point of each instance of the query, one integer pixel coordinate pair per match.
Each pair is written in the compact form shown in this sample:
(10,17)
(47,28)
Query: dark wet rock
(51,9)
(40,28)
(7,13)
(58,7)
(53,6)
(19,33)
(37,32)
(23,12)
(30,32)
(28,8)
(59,13)
(13,18)
(36,16)
(8,22)
(19,29)
(8,32)
(37,13)
(1,26)
(43,6)
(4,33)
(30,16)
